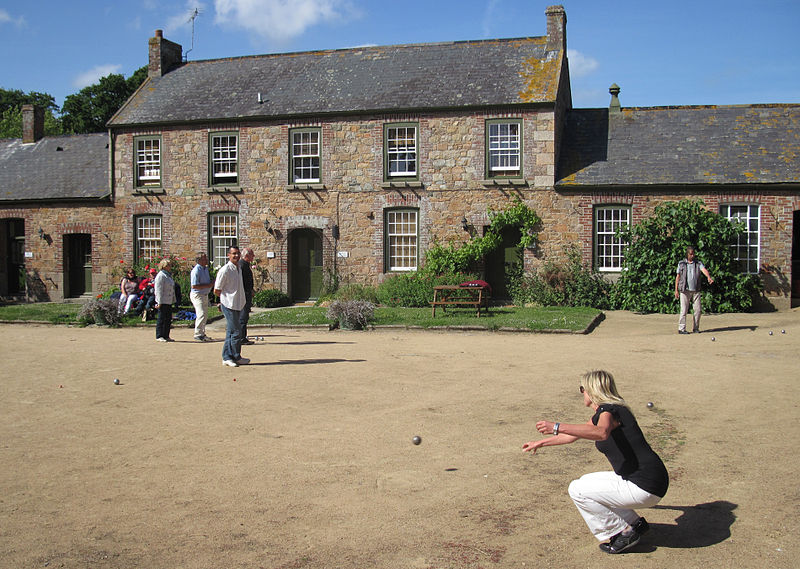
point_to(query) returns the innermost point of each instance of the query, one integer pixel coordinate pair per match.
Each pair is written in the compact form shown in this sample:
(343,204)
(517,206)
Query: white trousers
(606,502)
(688,298)
(200,303)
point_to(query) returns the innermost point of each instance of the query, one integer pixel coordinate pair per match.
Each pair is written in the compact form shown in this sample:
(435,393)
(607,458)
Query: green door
(78,264)
(305,269)
(12,257)
(502,263)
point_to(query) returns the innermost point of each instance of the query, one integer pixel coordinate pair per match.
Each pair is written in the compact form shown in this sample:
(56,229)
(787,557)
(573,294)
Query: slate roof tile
(54,168)
(357,80)
(660,146)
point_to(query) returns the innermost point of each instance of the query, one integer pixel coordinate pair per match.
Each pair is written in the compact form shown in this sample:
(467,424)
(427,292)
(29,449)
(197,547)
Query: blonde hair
(600,386)
(164,263)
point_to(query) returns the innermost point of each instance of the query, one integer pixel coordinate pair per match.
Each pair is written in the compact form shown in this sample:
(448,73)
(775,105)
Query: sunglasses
(581,388)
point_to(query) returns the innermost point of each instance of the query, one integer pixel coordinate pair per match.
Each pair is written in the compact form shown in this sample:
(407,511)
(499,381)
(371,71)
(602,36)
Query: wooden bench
(456,295)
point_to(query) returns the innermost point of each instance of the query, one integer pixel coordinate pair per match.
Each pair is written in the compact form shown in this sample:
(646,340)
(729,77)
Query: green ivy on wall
(459,257)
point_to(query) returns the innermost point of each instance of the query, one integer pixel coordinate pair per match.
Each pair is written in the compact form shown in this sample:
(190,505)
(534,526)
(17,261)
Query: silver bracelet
(555,428)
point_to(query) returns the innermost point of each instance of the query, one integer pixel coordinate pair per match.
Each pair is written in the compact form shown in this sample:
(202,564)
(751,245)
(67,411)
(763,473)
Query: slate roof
(673,146)
(365,79)
(54,168)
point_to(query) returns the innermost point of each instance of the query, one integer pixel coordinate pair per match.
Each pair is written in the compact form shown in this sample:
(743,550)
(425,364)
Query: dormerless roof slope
(54,168)
(674,146)
(358,80)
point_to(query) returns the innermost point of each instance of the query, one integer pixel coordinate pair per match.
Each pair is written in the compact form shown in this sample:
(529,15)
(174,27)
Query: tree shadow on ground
(702,525)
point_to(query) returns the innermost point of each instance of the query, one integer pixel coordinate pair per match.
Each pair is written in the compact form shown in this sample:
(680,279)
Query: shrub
(100,311)
(571,284)
(270,298)
(351,314)
(655,245)
(416,289)
(356,292)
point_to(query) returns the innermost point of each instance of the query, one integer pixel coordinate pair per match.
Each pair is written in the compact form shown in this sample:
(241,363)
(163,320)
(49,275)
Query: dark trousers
(164,322)
(244,317)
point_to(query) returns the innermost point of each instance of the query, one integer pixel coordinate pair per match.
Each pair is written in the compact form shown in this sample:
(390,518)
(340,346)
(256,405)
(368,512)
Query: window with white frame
(223,233)
(148,161)
(401,239)
(401,150)
(746,247)
(609,250)
(306,154)
(224,158)
(147,231)
(504,144)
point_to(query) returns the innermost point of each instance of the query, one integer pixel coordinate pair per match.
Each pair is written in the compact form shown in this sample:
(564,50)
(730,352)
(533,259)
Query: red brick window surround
(746,245)
(609,250)
(402,238)
(306,155)
(401,156)
(147,237)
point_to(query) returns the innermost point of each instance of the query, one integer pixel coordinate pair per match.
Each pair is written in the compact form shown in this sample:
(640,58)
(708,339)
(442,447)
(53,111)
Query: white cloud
(183,19)
(579,64)
(278,20)
(5,18)
(94,75)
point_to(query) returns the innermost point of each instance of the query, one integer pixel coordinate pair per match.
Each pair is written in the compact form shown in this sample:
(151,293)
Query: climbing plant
(456,258)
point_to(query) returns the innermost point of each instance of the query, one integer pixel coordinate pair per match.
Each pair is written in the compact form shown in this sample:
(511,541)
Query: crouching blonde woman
(606,500)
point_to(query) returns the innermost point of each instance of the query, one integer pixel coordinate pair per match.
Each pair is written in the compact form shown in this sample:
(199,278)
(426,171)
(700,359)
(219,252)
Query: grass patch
(67,313)
(542,318)
(55,313)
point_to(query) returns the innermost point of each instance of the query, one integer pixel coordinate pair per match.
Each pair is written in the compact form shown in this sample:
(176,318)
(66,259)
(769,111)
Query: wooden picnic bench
(457,295)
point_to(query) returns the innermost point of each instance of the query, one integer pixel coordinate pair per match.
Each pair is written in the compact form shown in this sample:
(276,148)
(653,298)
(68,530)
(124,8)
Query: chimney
(556,28)
(164,56)
(614,106)
(32,123)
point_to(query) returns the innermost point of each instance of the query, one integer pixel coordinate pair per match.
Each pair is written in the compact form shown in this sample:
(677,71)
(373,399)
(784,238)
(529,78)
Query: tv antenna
(191,19)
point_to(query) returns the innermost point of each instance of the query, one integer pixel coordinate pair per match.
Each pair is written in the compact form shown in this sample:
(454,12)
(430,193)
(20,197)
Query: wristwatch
(555,428)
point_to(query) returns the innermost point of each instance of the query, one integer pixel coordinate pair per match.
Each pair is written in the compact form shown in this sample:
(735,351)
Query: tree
(91,108)
(655,245)
(11,102)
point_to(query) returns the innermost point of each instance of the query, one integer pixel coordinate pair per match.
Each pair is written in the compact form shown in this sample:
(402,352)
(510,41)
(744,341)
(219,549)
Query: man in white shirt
(230,289)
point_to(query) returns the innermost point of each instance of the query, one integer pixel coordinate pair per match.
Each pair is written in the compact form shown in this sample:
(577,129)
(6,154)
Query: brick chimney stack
(32,123)
(164,55)
(556,28)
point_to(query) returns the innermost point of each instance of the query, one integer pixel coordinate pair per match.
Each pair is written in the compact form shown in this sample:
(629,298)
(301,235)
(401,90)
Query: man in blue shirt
(201,285)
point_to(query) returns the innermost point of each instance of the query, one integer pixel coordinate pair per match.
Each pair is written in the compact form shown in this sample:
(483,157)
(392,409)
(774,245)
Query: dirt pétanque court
(304,459)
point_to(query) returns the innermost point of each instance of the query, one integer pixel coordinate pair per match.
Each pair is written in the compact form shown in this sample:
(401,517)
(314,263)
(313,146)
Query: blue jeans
(232,349)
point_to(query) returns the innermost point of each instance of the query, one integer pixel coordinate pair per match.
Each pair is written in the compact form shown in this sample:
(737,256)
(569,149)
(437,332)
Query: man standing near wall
(688,287)
(247,280)
(230,289)
(201,286)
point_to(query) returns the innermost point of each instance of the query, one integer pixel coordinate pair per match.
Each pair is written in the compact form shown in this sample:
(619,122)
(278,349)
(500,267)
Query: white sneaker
(243,361)
(230,363)
(161,340)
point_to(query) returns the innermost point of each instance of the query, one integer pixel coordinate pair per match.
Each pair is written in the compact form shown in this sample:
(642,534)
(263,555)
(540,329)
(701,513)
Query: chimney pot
(32,123)
(159,33)
(614,90)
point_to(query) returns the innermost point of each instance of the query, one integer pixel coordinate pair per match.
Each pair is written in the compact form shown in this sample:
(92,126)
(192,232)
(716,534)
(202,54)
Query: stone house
(350,163)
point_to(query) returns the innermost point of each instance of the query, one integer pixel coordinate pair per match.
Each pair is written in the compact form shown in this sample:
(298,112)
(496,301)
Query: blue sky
(698,52)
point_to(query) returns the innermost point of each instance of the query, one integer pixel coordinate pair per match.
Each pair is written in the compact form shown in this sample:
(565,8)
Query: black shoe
(247,342)
(696,331)
(620,543)
(682,332)
(641,527)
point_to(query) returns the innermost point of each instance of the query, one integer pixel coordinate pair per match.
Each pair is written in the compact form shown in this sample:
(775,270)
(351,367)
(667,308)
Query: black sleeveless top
(629,454)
